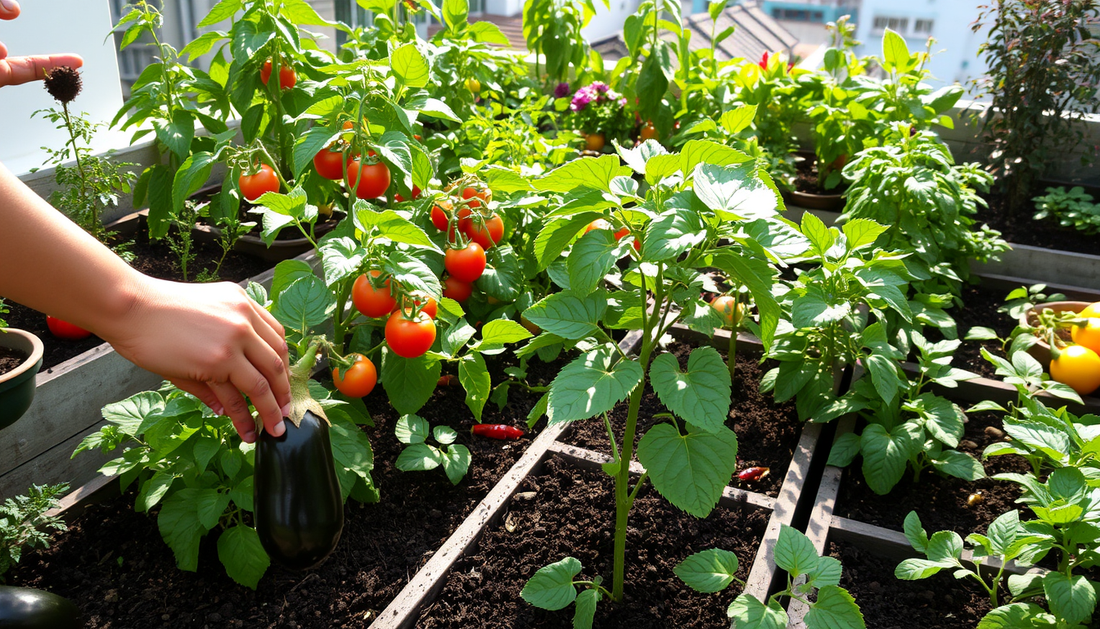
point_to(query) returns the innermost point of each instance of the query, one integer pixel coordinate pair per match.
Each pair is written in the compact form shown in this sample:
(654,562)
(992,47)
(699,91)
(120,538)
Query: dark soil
(980,304)
(1022,229)
(940,501)
(767,433)
(573,515)
(938,602)
(151,258)
(114,565)
(10,359)
(806,179)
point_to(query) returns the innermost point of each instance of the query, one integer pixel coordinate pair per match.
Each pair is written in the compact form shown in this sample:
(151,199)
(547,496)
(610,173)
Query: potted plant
(600,113)
(20,360)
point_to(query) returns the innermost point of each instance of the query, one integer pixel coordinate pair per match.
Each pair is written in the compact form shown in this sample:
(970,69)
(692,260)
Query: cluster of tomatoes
(471,229)
(371,178)
(1078,365)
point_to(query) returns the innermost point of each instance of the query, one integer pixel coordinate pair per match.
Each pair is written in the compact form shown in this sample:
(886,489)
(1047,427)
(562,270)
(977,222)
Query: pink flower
(562,90)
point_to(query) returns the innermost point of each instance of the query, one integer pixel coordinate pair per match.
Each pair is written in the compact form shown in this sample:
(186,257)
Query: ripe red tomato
(65,330)
(429,308)
(479,197)
(415,195)
(407,337)
(254,186)
(287,77)
(329,164)
(486,235)
(465,264)
(599,223)
(457,289)
(373,181)
(359,380)
(371,301)
(648,132)
(441,216)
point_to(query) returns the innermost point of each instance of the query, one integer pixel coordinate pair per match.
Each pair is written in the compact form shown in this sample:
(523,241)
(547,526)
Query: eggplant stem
(300,398)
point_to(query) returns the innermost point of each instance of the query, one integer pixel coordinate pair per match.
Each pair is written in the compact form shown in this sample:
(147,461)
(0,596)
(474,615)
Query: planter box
(68,398)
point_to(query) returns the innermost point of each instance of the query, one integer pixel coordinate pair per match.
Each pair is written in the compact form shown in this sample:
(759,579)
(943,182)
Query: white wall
(504,7)
(57,26)
(608,22)
(958,61)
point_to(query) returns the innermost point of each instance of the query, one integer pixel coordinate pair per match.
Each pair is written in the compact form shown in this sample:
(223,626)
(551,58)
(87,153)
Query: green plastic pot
(17,386)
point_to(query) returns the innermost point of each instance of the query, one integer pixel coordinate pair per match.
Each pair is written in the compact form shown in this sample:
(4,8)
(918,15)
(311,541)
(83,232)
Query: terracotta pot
(1041,350)
(810,201)
(17,386)
(594,141)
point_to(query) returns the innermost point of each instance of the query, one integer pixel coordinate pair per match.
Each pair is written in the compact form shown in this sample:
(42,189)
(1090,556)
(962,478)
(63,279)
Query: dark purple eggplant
(298,506)
(24,608)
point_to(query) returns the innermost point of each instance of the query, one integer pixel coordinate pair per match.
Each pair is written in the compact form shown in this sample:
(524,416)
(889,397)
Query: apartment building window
(798,15)
(897,24)
(923,27)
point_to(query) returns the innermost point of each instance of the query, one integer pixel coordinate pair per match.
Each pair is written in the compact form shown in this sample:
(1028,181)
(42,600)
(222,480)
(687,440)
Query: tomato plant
(486,232)
(1077,366)
(371,180)
(456,289)
(410,337)
(329,164)
(287,77)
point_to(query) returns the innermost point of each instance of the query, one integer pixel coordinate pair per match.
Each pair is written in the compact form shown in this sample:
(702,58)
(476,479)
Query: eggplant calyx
(300,398)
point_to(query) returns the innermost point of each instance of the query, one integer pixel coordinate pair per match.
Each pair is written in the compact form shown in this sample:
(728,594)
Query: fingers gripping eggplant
(299,509)
(24,608)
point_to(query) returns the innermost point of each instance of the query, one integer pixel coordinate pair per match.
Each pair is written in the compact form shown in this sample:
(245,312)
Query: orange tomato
(594,142)
(1088,335)
(1091,311)
(726,306)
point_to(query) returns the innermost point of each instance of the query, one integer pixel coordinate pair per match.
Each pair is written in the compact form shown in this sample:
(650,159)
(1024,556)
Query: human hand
(19,70)
(212,341)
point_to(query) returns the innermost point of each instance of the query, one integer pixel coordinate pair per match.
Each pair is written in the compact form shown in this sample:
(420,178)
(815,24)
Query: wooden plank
(56,465)
(981,389)
(402,611)
(1045,265)
(1008,282)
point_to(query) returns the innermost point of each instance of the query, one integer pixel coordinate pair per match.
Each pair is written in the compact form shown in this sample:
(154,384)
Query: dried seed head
(63,84)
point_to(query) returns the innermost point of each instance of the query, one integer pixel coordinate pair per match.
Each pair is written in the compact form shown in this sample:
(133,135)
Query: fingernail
(285,410)
(279,429)
(217,408)
(249,436)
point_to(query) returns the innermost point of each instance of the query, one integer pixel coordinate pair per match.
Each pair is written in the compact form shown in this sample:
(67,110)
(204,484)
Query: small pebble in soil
(994,433)
(967,444)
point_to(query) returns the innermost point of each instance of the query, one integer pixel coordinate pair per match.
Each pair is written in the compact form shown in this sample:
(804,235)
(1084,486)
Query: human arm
(210,340)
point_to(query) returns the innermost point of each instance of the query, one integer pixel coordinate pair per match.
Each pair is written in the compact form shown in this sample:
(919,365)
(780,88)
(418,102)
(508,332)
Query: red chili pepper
(753,474)
(498,431)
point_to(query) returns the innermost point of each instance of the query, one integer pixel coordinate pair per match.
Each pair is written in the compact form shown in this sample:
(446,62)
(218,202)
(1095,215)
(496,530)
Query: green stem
(83,176)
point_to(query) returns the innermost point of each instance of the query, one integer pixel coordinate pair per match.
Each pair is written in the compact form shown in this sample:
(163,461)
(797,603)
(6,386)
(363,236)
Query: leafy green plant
(552,29)
(1042,72)
(645,73)
(913,184)
(809,575)
(1071,208)
(4,309)
(1049,439)
(847,283)
(193,466)
(24,522)
(420,456)
(707,207)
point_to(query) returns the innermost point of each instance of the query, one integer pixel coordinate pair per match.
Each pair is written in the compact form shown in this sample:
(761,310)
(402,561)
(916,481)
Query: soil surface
(10,359)
(1022,229)
(151,258)
(806,179)
(767,433)
(114,565)
(940,501)
(938,602)
(573,515)
(980,304)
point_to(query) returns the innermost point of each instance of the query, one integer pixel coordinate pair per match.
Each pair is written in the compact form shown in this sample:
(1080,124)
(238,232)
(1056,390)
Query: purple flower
(562,90)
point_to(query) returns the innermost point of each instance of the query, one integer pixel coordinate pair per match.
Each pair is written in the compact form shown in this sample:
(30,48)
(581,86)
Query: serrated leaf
(567,315)
(690,470)
(834,609)
(243,556)
(708,571)
(591,384)
(701,394)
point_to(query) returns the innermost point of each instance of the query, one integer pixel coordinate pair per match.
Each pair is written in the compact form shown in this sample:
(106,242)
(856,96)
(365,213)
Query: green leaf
(286,272)
(304,304)
(419,457)
(1012,616)
(945,546)
(827,571)
(499,332)
(474,376)
(129,414)
(673,233)
(179,525)
(489,33)
(221,11)
(749,613)
(691,470)
(862,232)
(456,462)
(211,504)
(708,571)
(1072,599)
(153,490)
(885,456)
(242,495)
(1004,531)
(409,65)
(455,13)
(190,177)
(444,434)
(758,276)
(794,552)
(736,190)
(959,464)
(590,172)
(243,556)
(592,257)
(914,569)
(591,384)
(411,429)
(820,236)
(700,395)
(412,274)
(915,533)
(567,315)
(895,53)
(552,586)
(409,382)
(834,609)
(844,449)
(737,120)
(341,258)
(884,375)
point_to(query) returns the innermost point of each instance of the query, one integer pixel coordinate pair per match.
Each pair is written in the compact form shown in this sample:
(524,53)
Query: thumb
(9,9)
